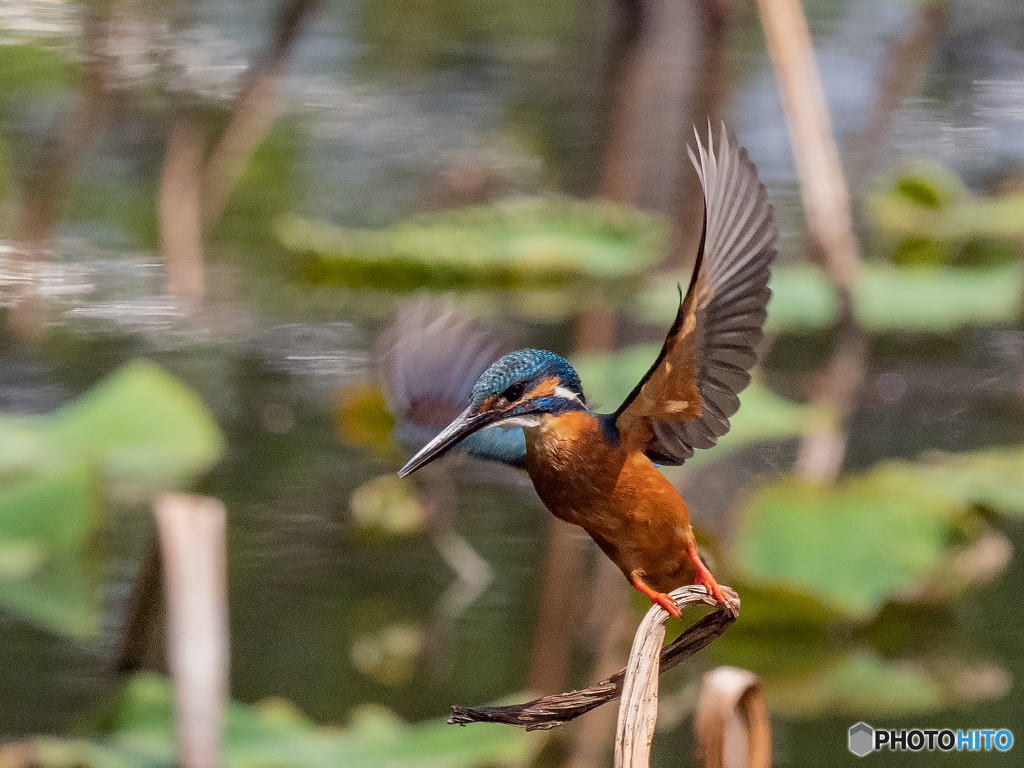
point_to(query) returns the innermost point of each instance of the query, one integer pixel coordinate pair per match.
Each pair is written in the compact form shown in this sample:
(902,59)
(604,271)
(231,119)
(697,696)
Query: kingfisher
(600,470)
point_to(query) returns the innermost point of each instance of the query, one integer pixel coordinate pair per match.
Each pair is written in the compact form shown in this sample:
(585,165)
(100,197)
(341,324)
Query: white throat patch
(529,420)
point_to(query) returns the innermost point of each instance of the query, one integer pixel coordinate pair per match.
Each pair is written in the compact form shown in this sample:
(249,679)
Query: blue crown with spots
(527,365)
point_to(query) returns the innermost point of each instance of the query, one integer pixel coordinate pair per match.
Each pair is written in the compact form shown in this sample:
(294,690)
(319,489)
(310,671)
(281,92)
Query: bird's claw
(659,598)
(666,602)
(707,580)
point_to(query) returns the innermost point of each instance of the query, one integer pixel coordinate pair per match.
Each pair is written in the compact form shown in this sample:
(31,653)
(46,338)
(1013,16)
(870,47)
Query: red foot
(705,579)
(660,598)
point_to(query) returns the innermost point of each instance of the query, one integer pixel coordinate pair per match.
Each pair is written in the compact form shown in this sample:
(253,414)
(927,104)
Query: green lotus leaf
(46,573)
(861,683)
(276,734)
(852,546)
(33,68)
(887,298)
(140,427)
(138,432)
(531,243)
(993,477)
(929,200)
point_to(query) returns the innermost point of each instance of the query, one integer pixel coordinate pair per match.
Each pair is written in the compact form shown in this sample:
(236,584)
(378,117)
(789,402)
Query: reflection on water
(39,18)
(343,589)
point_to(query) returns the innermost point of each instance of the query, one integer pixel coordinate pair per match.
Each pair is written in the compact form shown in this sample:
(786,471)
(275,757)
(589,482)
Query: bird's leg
(704,577)
(660,598)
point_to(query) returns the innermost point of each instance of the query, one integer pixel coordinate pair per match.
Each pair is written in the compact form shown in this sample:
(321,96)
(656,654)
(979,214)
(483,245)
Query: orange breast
(621,499)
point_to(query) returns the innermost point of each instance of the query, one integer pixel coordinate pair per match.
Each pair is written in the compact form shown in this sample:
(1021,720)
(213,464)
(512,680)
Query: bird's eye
(514,392)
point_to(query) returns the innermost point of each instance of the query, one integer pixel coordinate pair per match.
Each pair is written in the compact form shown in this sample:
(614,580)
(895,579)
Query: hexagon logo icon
(861,739)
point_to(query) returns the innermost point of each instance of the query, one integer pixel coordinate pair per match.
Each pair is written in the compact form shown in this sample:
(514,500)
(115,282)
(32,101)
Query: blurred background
(244,195)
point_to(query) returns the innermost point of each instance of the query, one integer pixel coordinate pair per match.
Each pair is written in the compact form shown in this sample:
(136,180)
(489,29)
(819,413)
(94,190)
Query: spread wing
(427,361)
(685,400)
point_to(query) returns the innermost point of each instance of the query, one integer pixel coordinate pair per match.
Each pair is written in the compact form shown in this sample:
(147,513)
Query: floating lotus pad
(887,298)
(140,427)
(928,201)
(46,521)
(852,546)
(137,433)
(516,244)
(993,478)
(862,683)
(884,534)
(141,735)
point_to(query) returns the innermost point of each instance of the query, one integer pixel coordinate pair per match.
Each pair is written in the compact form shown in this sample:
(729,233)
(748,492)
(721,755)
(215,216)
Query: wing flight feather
(685,400)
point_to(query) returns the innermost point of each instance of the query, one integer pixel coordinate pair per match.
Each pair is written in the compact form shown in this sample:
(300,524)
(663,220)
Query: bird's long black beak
(464,425)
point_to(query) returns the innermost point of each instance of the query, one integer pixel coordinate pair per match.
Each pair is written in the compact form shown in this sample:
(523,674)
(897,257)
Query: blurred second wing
(428,360)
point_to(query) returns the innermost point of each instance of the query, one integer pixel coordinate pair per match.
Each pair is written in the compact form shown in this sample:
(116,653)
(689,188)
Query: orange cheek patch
(544,388)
